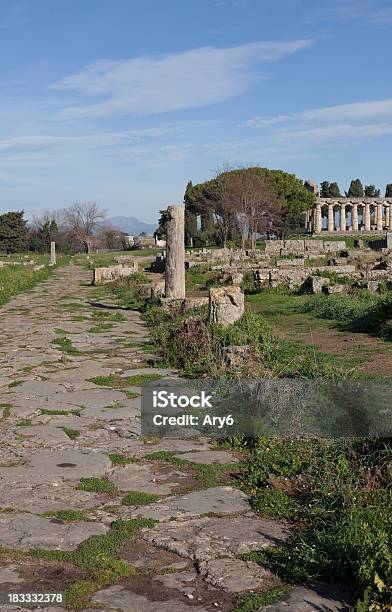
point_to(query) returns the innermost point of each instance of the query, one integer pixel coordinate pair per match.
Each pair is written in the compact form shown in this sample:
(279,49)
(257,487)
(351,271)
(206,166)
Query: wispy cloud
(39,143)
(148,85)
(331,123)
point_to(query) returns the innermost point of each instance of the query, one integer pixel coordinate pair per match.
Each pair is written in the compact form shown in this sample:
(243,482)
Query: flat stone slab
(24,530)
(323,597)
(236,576)
(46,495)
(38,388)
(209,457)
(45,434)
(220,500)
(119,598)
(69,464)
(182,581)
(98,397)
(208,537)
(146,478)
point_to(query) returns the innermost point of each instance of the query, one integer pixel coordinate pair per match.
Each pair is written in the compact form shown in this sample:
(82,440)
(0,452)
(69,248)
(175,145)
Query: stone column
(379,217)
(390,217)
(331,222)
(53,253)
(367,216)
(318,224)
(175,253)
(343,218)
(354,217)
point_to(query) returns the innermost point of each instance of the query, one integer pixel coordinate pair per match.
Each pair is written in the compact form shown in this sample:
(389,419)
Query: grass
(71,433)
(119,382)
(100,328)
(54,412)
(65,345)
(139,498)
(68,516)
(15,383)
(106,315)
(97,557)
(118,459)
(253,602)
(6,410)
(338,493)
(98,485)
(19,278)
(207,475)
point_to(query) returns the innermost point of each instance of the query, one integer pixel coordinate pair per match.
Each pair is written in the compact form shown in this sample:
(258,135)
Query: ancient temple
(350,215)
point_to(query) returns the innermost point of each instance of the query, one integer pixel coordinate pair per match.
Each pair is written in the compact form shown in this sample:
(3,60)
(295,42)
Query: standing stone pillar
(53,253)
(331,222)
(354,217)
(390,217)
(319,224)
(175,253)
(367,216)
(379,217)
(343,218)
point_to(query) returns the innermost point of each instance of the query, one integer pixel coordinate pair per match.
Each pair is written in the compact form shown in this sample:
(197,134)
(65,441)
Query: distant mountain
(130,225)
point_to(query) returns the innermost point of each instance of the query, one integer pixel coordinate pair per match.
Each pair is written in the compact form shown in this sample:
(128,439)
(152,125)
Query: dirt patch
(39,575)
(146,555)
(376,354)
(203,595)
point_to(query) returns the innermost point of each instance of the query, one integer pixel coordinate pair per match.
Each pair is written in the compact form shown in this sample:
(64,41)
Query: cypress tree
(13,232)
(325,189)
(356,189)
(334,191)
(388,191)
(190,215)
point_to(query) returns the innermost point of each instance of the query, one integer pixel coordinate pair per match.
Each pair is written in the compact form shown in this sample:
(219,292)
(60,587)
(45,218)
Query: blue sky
(123,101)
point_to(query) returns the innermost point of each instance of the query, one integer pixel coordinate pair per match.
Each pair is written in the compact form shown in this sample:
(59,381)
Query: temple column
(343,226)
(354,217)
(318,221)
(379,217)
(367,216)
(390,217)
(331,223)
(175,253)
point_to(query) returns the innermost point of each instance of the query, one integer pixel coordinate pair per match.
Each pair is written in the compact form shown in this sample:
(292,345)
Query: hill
(130,225)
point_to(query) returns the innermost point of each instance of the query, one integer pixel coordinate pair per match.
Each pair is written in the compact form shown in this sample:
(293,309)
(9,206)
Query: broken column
(53,253)
(226,305)
(175,253)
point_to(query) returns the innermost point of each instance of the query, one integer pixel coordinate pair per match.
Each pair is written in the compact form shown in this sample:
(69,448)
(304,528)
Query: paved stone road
(58,426)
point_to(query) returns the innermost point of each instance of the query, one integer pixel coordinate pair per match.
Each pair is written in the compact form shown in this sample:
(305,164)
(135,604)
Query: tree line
(75,229)
(239,204)
(356,190)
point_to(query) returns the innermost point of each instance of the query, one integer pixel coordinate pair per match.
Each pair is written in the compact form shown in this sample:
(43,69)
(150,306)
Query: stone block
(373,286)
(314,246)
(108,275)
(335,289)
(294,246)
(273,246)
(291,263)
(315,284)
(261,277)
(226,305)
(332,246)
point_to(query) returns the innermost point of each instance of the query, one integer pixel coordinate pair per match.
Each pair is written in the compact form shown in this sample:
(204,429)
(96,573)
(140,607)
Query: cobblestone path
(87,505)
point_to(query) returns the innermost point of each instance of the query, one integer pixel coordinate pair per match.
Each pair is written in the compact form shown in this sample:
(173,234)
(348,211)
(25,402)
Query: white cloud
(334,133)
(331,123)
(40,143)
(340,113)
(147,85)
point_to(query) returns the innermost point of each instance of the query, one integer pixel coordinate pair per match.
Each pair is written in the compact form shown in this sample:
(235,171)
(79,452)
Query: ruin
(175,253)
(350,215)
(226,305)
(52,253)
(107,275)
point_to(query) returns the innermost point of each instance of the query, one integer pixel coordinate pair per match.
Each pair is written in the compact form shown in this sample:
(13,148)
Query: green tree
(371,191)
(13,232)
(160,232)
(388,191)
(334,191)
(356,189)
(325,189)
(190,215)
